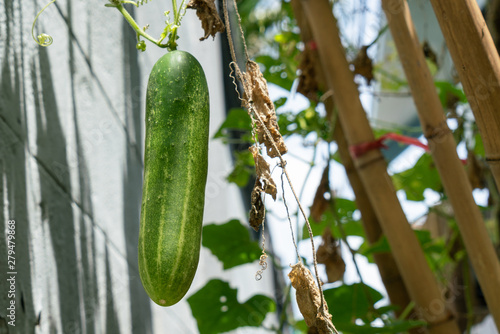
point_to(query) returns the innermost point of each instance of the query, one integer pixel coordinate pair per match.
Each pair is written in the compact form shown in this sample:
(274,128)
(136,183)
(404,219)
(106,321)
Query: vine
(299,275)
(170,30)
(42,39)
(136,3)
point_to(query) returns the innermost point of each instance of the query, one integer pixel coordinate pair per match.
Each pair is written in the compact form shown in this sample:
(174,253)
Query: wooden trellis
(479,66)
(388,269)
(442,145)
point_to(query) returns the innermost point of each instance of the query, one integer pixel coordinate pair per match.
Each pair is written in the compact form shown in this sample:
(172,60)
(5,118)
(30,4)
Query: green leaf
(386,309)
(280,102)
(478,145)
(303,123)
(351,228)
(435,250)
(415,180)
(448,90)
(345,210)
(243,168)
(230,243)
(237,119)
(301,326)
(247,7)
(380,246)
(275,71)
(217,310)
(424,238)
(350,302)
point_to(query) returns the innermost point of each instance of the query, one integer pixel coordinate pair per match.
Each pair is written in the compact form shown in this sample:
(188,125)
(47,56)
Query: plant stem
(136,27)
(174,5)
(407,311)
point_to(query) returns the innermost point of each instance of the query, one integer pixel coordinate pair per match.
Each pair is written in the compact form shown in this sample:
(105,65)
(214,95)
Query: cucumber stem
(136,27)
(171,28)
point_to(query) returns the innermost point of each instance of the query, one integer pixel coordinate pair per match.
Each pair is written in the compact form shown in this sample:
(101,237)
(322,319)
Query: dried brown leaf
(363,64)
(207,13)
(263,173)
(308,86)
(320,203)
(264,107)
(329,254)
(257,211)
(475,172)
(309,299)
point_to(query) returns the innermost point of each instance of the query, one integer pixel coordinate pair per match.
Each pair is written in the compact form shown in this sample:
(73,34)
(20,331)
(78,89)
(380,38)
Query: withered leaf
(363,64)
(263,173)
(329,254)
(257,211)
(308,86)
(309,299)
(264,107)
(320,203)
(207,13)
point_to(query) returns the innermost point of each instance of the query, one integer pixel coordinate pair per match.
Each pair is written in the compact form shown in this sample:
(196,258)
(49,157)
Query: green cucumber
(175,175)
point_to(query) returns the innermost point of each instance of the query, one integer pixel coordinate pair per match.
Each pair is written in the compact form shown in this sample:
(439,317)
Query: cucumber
(175,174)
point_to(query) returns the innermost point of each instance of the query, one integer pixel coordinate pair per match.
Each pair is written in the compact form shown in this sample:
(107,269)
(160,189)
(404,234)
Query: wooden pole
(372,169)
(443,149)
(478,66)
(388,269)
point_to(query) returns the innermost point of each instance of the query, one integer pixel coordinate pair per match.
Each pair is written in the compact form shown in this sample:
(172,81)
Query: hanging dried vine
(255,99)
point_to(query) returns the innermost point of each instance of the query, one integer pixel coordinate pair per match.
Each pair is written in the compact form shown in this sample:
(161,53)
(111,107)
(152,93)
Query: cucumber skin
(175,174)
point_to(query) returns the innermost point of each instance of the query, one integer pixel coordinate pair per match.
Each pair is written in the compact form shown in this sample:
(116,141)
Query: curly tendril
(42,39)
(135,3)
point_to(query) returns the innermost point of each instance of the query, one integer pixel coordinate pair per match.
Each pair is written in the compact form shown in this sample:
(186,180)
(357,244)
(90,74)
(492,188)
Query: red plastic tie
(312,45)
(362,148)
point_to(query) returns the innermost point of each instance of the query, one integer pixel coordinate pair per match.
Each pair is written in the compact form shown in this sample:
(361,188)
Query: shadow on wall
(62,230)
(13,203)
(140,306)
(13,191)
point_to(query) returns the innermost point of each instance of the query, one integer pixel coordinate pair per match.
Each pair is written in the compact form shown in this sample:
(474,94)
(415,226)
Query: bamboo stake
(389,272)
(372,169)
(443,149)
(388,269)
(477,63)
